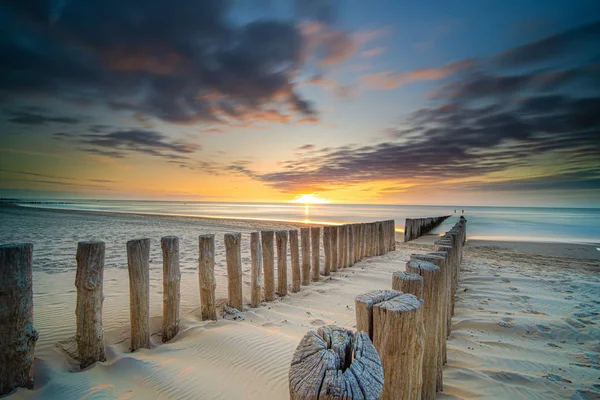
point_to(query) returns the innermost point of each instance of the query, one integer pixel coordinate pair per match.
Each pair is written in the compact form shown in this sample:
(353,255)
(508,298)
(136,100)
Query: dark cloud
(172,60)
(57,179)
(307,147)
(551,47)
(28,118)
(153,143)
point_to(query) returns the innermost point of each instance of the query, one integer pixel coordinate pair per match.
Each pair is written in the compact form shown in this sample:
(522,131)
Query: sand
(526,326)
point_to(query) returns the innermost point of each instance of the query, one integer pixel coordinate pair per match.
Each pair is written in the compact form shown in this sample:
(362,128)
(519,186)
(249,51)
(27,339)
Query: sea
(55,227)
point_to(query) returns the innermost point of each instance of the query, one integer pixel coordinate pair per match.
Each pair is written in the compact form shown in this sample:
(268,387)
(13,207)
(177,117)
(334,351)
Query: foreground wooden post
(89,281)
(281,239)
(432,292)
(295,256)
(408,282)
(138,262)
(233,255)
(334,248)
(315,238)
(256,273)
(267,238)
(364,308)
(439,259)
(305,244)
(206,277)
(171,287)
(17,335)
(398,337)
(335,363)
(327,249)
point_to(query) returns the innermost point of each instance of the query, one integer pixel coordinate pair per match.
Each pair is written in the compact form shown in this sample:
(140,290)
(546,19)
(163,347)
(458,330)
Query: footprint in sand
(318,322)
(506,322)
(543,328)
(505,280)
(513,289)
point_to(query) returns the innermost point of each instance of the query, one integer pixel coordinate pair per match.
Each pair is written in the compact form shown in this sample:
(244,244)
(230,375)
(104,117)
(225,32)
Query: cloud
(392,80)
(170,60)
(488,128)
(119,143)
(307,147)
(28,118)
(372,52)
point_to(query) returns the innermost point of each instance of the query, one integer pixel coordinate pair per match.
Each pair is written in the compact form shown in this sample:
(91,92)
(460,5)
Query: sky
(393,102)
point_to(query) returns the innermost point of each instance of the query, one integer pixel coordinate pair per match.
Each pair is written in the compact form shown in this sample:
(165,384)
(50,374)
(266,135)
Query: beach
(525,327)
(525,324)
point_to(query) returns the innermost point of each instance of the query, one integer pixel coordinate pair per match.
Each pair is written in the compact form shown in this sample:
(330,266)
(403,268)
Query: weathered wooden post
(408,282)
(171,287)
(295,256)
(233,255)
(350,244)
(327,249)
(17,335)
(268,239)
(374,238)
(305,244)
(381,239)
(89,281)
(315,238)
(439,259)
(334,248)
(206,277)
(431,316)
(138,263)
(364,308)
(393,237)
(344,246)
(335,363)
(398,337)
(281,239)
(256,272)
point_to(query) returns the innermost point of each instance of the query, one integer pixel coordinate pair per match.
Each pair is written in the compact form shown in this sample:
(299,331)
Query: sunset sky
(403,102)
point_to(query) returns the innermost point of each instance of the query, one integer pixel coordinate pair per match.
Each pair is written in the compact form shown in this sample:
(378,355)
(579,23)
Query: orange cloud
(392,80)
(372,52)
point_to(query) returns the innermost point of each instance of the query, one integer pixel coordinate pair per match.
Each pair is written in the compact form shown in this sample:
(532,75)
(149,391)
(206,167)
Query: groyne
(342,246)
(415,227)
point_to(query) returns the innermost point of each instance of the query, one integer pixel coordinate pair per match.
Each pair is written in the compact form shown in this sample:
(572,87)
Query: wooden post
(363,240)
(432,292)
(295,256)
(439,259)
(268,238)
(256,272)
(356,243)
(364,308)
(233,255)
(171,287)
(398,337)
(138,262)
(344,246)
(350,245)
(89,281)
(305,244)
(281,239)
(327,249)
(17,335)
(315,238)
(393,239)
(206,277)
(408,282)
(381,239)
(334,248)
(335,363)
(374,238)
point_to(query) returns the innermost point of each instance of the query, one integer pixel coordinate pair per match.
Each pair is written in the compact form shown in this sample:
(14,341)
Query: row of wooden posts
(343,245)
(399,347)
(416,227)
(409,324)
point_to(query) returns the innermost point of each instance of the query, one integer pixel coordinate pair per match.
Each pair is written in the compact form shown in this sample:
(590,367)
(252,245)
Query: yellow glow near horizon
(308,199)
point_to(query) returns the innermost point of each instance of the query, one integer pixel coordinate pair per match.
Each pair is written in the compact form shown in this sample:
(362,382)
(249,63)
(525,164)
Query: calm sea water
(55,229)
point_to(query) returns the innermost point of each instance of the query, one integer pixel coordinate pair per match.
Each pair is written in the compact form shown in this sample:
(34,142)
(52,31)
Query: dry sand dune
(525,327)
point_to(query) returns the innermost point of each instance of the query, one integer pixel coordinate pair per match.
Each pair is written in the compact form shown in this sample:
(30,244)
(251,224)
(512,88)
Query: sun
(308,199)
